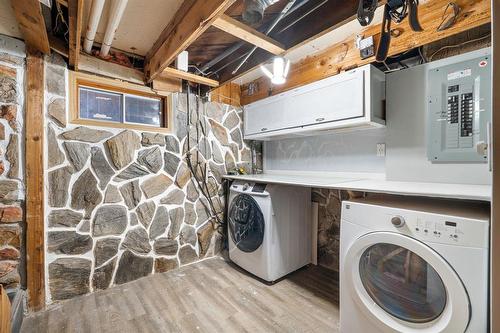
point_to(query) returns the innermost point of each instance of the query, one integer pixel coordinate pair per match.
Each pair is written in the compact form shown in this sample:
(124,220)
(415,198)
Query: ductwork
(253,10)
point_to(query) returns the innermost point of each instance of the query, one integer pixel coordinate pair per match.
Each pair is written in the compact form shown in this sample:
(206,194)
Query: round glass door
(402,283)
(246,223)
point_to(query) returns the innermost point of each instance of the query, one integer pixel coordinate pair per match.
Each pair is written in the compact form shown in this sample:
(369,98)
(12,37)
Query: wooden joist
(191,20)
(31,23)
(34,121)
(229,93)
(75,13)
(175,73)
(345,55)
(248,34)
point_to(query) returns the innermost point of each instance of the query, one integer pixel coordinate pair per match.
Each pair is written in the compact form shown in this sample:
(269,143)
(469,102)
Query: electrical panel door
(459,109)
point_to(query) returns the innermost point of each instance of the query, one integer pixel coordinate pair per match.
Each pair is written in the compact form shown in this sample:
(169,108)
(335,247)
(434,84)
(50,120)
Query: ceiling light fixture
(281,66)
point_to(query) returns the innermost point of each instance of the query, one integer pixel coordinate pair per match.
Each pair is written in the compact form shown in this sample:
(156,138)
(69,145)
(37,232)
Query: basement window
(104,102)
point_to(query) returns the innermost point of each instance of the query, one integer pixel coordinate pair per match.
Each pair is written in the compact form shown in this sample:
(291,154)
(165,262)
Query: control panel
(459,108)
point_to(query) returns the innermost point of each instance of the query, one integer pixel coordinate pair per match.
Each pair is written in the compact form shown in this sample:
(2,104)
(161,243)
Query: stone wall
(12,68)
(123,204)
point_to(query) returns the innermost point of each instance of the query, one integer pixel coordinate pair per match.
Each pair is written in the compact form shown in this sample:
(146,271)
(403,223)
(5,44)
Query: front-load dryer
(269,228)
(413,265)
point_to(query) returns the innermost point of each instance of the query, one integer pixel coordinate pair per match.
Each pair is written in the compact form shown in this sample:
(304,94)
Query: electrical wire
(458,45)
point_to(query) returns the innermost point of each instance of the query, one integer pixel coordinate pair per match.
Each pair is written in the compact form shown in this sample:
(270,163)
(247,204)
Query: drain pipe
(95,16)
(115,15)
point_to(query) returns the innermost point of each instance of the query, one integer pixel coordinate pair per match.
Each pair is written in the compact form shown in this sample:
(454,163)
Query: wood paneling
(229,93)
(75,14)
(193,22)
(4,311)
(34,180)
(248,34)
(177,74)
(344,55)
(31,23)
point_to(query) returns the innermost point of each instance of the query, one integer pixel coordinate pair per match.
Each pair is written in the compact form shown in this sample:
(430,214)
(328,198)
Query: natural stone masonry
(137,241)
(122,147)
(105,249)
(64,218)
(59,186)
(77,153)
(69,277)
(101,167)
(68,242)
(86,134)
(110,220)
(85,194)
(142,266)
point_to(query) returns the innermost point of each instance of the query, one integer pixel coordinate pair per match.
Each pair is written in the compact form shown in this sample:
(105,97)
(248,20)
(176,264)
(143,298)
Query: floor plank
(209,296)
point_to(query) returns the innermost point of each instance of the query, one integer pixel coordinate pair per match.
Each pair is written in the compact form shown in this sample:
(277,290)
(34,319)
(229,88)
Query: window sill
(137,127)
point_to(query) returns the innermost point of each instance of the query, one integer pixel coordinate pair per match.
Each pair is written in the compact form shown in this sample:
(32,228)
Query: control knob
(245,186)
(398,221)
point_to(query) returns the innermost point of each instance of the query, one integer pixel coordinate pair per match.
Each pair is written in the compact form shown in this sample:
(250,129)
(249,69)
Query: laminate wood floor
(209,296)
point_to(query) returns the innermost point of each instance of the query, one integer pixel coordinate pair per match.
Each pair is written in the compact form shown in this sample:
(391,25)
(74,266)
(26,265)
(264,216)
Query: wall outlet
(380,149)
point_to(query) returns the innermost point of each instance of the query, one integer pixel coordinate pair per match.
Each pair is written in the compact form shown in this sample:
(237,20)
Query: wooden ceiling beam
(343,56)
(75,13)
(248,34)
(31,23)
(177,74)
(191,20)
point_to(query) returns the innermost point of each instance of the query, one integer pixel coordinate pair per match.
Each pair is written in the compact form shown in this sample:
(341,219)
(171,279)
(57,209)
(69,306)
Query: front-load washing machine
(269,228)
(413,265)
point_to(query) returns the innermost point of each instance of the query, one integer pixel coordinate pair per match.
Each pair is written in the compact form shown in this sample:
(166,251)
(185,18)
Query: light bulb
(281,67)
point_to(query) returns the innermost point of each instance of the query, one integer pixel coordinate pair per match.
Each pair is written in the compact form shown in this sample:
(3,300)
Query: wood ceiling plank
(175,73)
(248,34)
(35,260)
(344,55)
(31,23)
(190,23)
(75,13)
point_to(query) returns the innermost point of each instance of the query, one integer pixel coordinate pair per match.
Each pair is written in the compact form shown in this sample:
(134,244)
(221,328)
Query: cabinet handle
(320,119)
(263,129)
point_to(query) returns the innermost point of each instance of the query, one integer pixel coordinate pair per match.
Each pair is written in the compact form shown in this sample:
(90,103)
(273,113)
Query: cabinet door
(264,117)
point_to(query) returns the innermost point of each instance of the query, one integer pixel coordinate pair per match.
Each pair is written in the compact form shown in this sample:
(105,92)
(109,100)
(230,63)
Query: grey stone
(163,265)
(190,217)
(218,171)
(122,148)
(172,144)
(155,185)
(86,134)
(215,111)
(105,249)
(166,246)
(187,255)
(151,159)
(192,192)
(201,211)
(246,155)
(219,132)
(109,220)
(171,163)
(131,193)
(230,163)
(57,111)
(151,139)
(160,223)
(205,234)
(213,187)
(69,277)
(9,189)
(8,89)
(205,149)
(237,137)
(55,155)
(188,235)
(85,194)
(84,226)
(59,186)
(103,275)
(180,124)
(64,218)
(134,170)
(101,167)
(137,240)
(55,59)
(78,153)
(142,267)
(174,197)
(112,195)
(134,220)
(232,120)
(217,153)
(68,242)
(183,176)
(55,82)
(12,156)
(145,213)
(176,218)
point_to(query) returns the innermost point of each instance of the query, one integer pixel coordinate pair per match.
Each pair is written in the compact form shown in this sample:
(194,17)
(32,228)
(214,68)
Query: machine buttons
(398,221)
(246,186)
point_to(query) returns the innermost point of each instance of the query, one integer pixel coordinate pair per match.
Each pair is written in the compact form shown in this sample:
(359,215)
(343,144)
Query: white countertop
(371,183)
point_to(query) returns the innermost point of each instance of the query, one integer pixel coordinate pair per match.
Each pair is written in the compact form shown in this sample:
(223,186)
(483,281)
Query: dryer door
(246,223)
(404,285)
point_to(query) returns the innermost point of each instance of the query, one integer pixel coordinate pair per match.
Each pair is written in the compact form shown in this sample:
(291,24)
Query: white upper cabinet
(353,99)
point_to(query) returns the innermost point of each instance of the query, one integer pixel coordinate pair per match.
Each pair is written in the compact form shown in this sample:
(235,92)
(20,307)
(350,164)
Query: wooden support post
(177,74)
(31,23)
(75,13)
(34,180)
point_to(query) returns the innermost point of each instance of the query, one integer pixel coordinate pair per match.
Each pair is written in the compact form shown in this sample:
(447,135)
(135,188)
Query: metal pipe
(95,16)
(115,15)
(302,16)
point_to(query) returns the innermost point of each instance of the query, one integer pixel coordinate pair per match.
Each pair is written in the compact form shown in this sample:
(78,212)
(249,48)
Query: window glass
(143,110)
(402,283)
(100,105)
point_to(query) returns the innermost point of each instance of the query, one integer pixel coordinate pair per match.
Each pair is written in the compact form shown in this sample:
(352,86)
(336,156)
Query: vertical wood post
(34,180)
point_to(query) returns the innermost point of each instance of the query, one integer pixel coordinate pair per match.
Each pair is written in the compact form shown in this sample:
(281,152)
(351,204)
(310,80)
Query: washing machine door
(403,285)
(246,223)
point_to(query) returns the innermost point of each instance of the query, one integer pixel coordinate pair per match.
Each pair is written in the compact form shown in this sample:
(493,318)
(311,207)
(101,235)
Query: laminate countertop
(356,182)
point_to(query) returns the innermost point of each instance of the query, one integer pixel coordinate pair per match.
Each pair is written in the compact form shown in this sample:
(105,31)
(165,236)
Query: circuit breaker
(459,109)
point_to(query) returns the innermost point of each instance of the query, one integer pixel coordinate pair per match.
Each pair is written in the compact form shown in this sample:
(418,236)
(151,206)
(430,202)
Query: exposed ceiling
(8,22)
